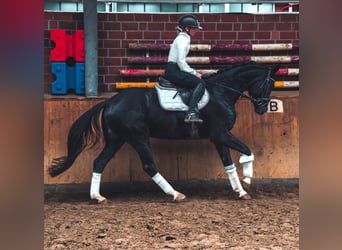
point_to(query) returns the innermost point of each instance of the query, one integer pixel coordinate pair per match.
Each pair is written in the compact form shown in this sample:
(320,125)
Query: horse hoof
(245,197)
(178,196)
(99,200)
(245,185)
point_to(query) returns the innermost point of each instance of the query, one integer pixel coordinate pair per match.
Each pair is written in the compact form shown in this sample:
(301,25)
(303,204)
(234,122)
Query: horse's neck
(232,85)
(241,79)
(227,88)
(237,77)
(223,95)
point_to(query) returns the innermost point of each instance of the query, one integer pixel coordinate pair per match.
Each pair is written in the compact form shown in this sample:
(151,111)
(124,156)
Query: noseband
(261,101)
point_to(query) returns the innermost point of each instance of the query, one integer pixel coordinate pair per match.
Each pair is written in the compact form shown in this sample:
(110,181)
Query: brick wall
(116,30)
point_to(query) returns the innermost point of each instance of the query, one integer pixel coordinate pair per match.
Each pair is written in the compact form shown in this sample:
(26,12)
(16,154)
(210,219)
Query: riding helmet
(188,21)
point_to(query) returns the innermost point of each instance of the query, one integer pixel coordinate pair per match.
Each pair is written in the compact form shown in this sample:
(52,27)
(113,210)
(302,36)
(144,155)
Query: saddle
(173,98)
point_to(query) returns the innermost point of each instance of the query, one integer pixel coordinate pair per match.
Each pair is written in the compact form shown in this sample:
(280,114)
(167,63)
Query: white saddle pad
(170,101)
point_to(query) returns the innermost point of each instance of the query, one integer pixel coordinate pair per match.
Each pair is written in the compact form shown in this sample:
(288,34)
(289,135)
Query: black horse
(134,115)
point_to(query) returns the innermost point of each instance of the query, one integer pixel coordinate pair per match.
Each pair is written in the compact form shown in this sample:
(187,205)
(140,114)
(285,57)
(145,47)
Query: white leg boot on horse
(235,182)
(95,189)
(247,169)
(167,188)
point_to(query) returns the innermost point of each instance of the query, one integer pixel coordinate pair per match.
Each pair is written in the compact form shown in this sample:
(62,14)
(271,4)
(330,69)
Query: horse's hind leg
(143,148)
(99,164)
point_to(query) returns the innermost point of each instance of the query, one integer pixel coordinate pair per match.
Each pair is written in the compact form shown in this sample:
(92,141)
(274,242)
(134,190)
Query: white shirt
(179,49)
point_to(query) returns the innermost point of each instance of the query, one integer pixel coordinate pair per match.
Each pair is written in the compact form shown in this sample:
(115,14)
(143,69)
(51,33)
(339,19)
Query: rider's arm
(183,46)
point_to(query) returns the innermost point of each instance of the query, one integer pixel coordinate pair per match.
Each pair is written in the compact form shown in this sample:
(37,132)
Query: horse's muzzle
(261,105)
(260,110)
(261,102)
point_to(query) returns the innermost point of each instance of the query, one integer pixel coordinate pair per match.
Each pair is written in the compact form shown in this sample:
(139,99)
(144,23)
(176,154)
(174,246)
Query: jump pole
(124,85)
(217,59)
(218,47)
(204,72)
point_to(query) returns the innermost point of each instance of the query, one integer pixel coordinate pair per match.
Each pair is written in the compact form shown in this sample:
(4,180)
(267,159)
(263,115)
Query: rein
(261,101)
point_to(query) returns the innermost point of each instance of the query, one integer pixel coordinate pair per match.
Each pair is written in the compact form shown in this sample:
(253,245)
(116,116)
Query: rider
(179,72)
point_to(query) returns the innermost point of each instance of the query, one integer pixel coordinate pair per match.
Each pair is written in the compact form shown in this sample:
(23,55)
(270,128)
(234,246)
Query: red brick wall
(116,30)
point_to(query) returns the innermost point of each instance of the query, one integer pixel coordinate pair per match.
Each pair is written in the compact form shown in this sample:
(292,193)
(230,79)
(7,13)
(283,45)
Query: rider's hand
(198,75)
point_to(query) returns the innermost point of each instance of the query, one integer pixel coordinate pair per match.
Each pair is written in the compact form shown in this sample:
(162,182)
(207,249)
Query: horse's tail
(85,131)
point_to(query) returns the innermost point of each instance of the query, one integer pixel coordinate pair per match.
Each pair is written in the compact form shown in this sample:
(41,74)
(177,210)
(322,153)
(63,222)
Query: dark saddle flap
(184,93)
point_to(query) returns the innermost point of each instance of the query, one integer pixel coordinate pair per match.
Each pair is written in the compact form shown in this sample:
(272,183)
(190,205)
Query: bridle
(260,101)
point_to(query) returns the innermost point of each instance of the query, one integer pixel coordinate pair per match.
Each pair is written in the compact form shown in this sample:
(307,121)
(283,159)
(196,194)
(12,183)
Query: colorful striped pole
(286,84)
(217,59)
(218,47)
(289,72)
(124,85)
(142,72)
(204,72)
(160,72)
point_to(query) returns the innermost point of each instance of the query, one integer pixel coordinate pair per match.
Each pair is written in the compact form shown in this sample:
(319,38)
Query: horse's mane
(236,66)
(220,72)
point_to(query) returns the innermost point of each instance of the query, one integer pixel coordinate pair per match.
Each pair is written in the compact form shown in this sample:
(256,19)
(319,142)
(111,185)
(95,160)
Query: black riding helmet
(188,21)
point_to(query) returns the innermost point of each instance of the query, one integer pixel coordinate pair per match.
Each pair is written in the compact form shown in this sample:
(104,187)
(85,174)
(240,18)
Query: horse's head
(260,87)
(253,77)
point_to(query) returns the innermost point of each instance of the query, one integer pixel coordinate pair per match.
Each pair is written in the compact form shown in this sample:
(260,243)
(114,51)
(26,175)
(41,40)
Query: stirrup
(192,117)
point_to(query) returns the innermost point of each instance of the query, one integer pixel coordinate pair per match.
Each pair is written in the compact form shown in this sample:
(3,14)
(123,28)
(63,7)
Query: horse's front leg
(246,158)
(247,167)
(230,169)
(227,139)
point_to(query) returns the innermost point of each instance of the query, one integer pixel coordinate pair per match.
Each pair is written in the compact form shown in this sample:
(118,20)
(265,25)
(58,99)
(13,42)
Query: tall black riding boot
(192,115)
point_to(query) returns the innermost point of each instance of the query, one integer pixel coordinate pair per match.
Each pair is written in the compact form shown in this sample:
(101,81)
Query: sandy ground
(145,218)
